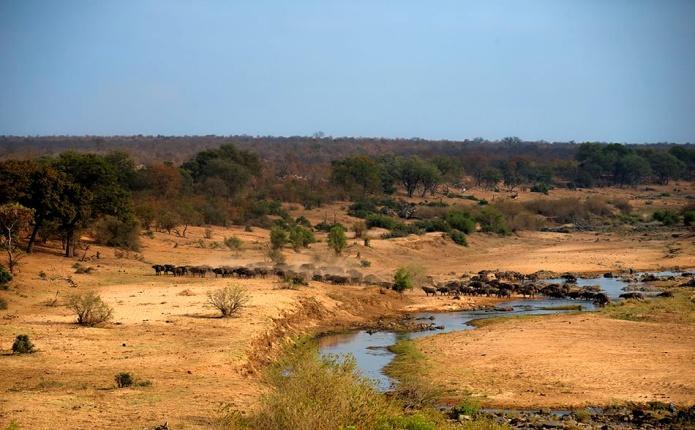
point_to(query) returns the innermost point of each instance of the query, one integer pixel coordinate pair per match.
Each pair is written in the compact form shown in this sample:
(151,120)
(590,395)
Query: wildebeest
(665,294)
(180,270)
(601,299)
(158,268)
(636,296)
(169,268)
(429,290)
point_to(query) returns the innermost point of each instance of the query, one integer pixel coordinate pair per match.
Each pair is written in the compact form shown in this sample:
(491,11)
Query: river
(371,350)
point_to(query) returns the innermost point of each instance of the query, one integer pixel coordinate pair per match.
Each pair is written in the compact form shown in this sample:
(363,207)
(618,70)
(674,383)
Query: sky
(557,70)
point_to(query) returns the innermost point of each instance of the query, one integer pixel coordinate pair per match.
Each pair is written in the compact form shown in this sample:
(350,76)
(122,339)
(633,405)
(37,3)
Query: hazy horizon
(613,71)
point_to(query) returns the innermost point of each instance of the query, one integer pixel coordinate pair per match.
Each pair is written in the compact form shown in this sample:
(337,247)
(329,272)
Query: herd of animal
(484,283)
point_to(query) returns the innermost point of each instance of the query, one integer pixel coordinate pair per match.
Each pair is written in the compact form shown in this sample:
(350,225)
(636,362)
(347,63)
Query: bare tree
(13,219)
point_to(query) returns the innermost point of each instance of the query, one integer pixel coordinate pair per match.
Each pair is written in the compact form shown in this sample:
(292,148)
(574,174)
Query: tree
(631,169)
(409,173)
(337,240)
(13,219)
(278,237)
(430,177)
(89,309)
(402,280)
(359,172)
(665,166)
(92,191)
(491,177)
(223,172)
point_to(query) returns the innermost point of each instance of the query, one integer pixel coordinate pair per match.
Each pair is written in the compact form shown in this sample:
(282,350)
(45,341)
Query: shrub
(402,280)
(22,345)
(666,217)
(468,406)
(458,237)
(435,224)
(124,379)
(541,188)
(460,220)
(365,263)
(89,309)
(3,304)
(491,220)
(359,228)
(689,218)
(300,237)
(275,255)
(112,231)
(233,243)
(228,300)
(303,221)
(278,237)
(315,392)
(5,276)
(381,221)
(598,206)
(622,205)
(208,233)
(336,239)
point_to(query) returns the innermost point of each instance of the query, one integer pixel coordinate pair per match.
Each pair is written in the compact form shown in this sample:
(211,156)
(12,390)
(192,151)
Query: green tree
(402,280)
(337,240)
(361,172)
(278,237)
(222,172)
(665,166)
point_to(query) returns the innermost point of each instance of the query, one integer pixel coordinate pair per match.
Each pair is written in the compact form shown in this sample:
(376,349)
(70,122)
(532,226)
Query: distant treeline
(117,185)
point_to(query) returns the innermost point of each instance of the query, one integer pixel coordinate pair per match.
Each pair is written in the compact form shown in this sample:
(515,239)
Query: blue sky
(579,70)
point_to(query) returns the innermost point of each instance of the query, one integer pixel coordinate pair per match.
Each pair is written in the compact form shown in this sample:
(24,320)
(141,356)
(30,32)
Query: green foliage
(541,188)
(357,175)
(458,237)
(337,240)
(468,406)
(461,221)
(124,234)
(402,280)
(300,237)
(381,221)
(666,217)
(689,218)
(22,345)
(5,276)
(233,243)
(313,392)
(278,237)
(124,380)
(222,172)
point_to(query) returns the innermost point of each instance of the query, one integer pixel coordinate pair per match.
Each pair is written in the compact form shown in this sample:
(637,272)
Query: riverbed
(370,349)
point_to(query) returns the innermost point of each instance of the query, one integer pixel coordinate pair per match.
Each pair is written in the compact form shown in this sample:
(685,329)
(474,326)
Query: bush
(359,228)
(5,276)
(315,392)
(436,224)
(666,217)
(300,237)
(89,309)
(336,239)
(689,218)
(278,237)
(233,243)
(22,345)
(491,220)
(208,233)
(275,255)
(112,231)
(124,379)
(541,188)
(381,221)
(458,237)
(461,221)
(402,280)
(468,406)
(622,205)
(303,221)
(228,300)
(365,263)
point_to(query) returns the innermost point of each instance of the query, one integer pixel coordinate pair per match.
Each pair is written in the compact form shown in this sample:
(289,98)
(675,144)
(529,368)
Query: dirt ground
(163,331)
(566,361)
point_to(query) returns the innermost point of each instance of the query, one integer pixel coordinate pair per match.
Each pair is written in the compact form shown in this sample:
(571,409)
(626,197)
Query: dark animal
(180,271)
(636,296)
(158,268)
(443,290)
(665,294)
(601,299)
(169,268)
(429,290)
(261,271)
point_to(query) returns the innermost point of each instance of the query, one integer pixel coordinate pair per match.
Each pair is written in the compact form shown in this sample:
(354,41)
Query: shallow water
(371,350)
